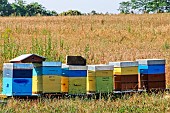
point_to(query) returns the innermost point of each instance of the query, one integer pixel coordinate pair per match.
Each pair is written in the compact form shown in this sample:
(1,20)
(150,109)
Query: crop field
(99,39)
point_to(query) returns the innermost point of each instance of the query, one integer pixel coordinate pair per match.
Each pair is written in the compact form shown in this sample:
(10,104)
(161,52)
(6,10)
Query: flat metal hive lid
(18,66)
(151,61)
(124,64)
(100,67)
(52,64)
(74,67)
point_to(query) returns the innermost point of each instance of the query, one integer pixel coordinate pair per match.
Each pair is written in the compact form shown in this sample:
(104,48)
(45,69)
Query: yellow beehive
(64,84)
(125,70)
(51,83)
(91,84)
(73,85)
(37,84)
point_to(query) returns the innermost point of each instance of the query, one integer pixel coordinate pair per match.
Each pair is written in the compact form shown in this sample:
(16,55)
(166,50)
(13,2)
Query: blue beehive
(18,75)
(51,68)
(151,66)
(151,74)
(17,86)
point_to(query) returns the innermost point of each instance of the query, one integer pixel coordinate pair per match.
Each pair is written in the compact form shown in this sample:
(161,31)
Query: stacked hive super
(17,79)
(37,78)
(152,74)
(74,79)
(100,79)
(125,75)
(74,75)
(51,77)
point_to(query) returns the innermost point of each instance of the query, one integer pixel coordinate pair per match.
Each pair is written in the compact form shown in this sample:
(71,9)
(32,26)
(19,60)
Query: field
(99,39)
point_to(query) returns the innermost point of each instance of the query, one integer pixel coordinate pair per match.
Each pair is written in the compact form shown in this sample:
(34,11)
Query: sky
(84,6)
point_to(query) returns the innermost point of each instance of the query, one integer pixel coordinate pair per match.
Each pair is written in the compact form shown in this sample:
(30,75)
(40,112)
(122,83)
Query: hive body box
(152,74)
(17,79)
(17,86)
(125,75)
(100,79)
(73,79)
(51,77)
(37,78)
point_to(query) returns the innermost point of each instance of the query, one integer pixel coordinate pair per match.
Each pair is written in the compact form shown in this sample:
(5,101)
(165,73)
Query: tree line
(145,6)
(21,8)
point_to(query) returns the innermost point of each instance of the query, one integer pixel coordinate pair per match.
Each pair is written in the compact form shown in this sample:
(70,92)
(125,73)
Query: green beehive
(77,85)
(104,84)
(100,79)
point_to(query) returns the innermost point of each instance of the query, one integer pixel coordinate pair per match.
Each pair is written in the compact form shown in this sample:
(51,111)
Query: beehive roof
(25,56)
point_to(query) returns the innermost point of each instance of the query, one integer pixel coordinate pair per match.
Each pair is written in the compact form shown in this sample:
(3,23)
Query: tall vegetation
(145,6)
(98,38)
(137,103)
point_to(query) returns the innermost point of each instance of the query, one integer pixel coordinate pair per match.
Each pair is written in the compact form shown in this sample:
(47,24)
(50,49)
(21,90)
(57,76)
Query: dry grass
(138,103)
(98,38)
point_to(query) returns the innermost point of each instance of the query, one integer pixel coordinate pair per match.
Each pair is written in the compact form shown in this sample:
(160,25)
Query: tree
(141,5)
(5,8)
(19,8)
(125,7)
(157,6)
(71,13)
(93,12)
(34,9)
(145,6)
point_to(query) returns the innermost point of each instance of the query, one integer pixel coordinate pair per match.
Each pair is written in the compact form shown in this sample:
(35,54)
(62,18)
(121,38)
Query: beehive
(17,79)
(125,75)
(100,79)
(73,79)
(51,77)
(152,74)
(52,84)
(22,77)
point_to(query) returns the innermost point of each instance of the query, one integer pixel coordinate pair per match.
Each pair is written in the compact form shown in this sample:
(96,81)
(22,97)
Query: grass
(137,103)
(100,39)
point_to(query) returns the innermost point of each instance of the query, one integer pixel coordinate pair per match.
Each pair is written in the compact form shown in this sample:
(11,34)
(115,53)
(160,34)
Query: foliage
(5,8)
(145,6)
(71,13)
(125,7)
(20,8)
